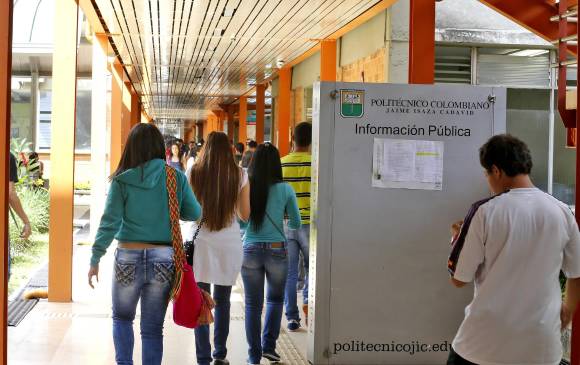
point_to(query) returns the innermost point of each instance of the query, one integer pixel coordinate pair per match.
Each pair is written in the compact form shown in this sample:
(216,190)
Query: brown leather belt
(138,245)
(277,245)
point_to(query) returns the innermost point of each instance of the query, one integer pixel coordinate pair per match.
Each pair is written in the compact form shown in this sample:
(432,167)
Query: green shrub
(35,202)
(83,185)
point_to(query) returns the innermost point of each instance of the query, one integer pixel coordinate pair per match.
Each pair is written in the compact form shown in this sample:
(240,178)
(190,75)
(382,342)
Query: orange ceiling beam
(353,24)
(533,15)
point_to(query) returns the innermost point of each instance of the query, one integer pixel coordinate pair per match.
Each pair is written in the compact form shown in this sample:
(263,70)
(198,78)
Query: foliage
(86,185)
(35,202)
(26,168)
(24,265)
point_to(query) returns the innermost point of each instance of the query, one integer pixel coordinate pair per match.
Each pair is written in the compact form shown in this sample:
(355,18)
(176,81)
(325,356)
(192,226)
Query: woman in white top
(223,191)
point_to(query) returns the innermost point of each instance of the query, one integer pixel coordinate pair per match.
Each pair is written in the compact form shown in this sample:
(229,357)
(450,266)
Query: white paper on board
(408,164)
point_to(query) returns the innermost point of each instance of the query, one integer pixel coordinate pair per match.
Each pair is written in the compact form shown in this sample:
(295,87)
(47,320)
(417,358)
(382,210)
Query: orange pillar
(5,100)
(231,124)
(127,113)
(284,86)
(116,115)
(260,111)
(422,42)
(328,60)
(135,109)
(243,117)
(62,149)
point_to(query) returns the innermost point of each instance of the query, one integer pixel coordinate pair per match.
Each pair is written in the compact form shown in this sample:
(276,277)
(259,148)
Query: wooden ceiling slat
(165,45)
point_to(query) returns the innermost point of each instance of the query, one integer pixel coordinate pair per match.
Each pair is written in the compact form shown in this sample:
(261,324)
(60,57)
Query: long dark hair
(145,143)
(215,180)
(265,170)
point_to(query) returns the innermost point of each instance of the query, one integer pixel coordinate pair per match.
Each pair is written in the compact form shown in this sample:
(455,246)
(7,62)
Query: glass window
(528,118)
(21,117)
(83,114)
(83,124)
(44,115)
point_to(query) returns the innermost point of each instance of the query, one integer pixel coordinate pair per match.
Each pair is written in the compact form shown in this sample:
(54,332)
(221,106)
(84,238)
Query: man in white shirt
(513,246)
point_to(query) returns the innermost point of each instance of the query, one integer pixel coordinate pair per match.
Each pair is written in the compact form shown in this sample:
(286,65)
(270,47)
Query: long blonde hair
(215,180)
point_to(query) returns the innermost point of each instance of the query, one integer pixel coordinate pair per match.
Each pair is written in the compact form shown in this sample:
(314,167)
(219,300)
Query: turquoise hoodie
(137,209)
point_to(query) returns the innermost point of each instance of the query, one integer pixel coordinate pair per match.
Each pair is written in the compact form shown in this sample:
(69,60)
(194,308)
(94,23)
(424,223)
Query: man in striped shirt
(296,170)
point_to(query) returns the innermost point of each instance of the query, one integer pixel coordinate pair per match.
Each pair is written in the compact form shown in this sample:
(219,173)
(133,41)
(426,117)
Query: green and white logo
(352,103)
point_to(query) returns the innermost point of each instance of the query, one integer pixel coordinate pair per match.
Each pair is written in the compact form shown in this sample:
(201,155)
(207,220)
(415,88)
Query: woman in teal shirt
(137,216)
(265,254)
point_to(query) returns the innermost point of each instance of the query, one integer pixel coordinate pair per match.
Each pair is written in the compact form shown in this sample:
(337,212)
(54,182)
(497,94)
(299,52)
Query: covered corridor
(245,68)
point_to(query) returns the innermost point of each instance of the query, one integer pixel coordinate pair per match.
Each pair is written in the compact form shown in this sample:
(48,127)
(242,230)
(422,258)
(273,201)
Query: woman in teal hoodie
(137,216)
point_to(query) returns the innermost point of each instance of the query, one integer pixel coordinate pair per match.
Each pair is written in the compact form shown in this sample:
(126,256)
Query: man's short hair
(303,134)
(253,144)
(508,154)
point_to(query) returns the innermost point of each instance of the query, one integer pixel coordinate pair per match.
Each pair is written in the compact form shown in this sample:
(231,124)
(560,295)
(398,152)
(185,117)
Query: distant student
(176,158)
(296,171)
(247,157)
(265,252)
(513,246)
(239,152)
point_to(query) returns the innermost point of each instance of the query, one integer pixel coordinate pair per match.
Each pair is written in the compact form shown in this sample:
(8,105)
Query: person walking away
(175,160)
(247,157)
(239,153)
(191,159)
(16,205)
(296,172)
(513,246)
(265,252)
(224,194)
(137,216)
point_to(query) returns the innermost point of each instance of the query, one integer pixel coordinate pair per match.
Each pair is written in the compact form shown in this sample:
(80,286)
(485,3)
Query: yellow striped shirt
(296,171)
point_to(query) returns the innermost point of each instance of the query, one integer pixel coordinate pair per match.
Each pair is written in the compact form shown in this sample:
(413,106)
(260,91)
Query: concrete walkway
(81,332)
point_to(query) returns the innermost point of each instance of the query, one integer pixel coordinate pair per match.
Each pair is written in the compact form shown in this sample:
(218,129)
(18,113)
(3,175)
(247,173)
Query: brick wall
(372,67)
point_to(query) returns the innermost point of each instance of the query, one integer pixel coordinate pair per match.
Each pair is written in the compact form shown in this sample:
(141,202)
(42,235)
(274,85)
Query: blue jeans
(261,261)
(221,296)
(298,241)
(146,275)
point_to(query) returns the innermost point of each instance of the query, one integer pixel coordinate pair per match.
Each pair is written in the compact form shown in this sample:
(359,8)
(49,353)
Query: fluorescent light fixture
(529,52)
(229,12)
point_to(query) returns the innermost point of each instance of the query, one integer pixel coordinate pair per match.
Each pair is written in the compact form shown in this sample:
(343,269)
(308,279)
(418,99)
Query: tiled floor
(80,332)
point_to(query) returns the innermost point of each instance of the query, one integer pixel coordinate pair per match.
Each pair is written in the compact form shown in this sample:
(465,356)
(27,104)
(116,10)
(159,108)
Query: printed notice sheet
(408,164)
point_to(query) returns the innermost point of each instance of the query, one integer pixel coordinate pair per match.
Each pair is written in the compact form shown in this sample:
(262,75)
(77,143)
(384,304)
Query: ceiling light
(228,13)
(529,52)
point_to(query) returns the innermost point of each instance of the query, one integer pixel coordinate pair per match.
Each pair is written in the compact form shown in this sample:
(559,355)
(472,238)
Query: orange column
(231,124)
(422,42)
(5,91)
(284,86)
(62,149)
(127,113)
(260,111)
(328,60)
(116,115)
(135,109)
(220,121)
(243,117)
